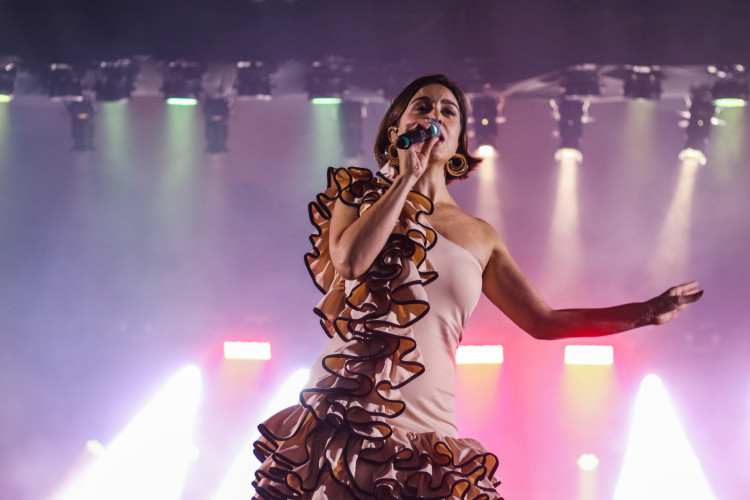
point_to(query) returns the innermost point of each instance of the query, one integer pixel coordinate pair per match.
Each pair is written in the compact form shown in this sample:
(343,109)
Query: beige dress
(377,417)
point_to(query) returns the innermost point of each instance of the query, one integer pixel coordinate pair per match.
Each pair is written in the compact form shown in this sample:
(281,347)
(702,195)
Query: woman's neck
(432,184)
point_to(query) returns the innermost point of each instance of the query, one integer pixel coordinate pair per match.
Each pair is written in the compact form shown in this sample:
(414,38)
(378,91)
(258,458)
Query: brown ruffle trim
(341,440)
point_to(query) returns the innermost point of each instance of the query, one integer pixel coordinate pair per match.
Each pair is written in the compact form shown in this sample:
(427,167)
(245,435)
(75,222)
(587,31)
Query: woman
(402,267)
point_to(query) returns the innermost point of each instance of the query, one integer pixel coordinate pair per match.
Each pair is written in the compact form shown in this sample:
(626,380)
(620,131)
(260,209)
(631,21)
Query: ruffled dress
(376,419)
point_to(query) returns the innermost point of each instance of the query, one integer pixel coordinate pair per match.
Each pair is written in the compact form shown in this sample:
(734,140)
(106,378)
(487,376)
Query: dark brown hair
(398,106)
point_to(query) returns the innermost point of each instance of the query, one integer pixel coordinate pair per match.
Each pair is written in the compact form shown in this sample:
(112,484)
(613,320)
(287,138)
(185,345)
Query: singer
(376,419)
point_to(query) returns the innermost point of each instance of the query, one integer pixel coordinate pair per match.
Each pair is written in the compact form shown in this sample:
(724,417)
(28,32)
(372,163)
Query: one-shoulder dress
(376,419)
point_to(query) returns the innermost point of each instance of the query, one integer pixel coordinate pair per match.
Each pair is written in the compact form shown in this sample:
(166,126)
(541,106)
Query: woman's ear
(392,134)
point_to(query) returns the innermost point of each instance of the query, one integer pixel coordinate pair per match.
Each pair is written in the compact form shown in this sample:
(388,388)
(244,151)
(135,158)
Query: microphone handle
(408,139)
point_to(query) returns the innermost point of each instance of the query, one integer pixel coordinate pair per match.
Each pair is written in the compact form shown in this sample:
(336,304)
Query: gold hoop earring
(392,154)
(457,166)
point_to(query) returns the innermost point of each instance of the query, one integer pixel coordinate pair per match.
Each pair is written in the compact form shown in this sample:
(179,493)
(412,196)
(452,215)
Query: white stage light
(237,481)
(479,354)
(589,355)
(588,462)
(150,458)
(659,462)
(247,350)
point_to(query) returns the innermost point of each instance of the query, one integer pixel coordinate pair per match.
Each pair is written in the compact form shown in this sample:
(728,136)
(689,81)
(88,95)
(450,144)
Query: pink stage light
(602,355)
(479,355)
(247,350)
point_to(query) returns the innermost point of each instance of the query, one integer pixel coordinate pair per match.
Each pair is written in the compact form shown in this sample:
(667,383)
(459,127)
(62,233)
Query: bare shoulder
(474,234)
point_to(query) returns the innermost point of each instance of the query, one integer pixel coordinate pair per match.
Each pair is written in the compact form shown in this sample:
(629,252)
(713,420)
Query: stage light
(486,151)
(253,80)
(183,83)
(351,116)
(731,88)
(114,80)
(659,462)
(216,113)
(64,83)
(581,81)
(568,156)
(82,124)
(602,355)
(570,114)
(485,110)
(479,355)
(699,118)
(588,462)
(692,156)
(247,350)
(326,80)
(643,82)
(8,73)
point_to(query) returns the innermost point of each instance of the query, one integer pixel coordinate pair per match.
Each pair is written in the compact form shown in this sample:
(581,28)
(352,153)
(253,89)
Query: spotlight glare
(486,151)
(95,447)
(479,355)
(588,462)
(5,98)
(602,355)
(247,350)
(151,456)
(659,461)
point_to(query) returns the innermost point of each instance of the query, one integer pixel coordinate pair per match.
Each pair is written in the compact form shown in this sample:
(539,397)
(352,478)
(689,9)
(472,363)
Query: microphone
(408,139)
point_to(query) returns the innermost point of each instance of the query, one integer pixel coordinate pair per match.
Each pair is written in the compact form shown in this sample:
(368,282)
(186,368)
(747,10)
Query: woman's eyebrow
(443,101)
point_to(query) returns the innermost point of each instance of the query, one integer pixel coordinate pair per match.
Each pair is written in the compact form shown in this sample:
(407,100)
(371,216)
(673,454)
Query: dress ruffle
(342,441)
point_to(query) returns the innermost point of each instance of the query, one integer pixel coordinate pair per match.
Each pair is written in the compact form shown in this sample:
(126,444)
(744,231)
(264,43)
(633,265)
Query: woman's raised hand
(665,307)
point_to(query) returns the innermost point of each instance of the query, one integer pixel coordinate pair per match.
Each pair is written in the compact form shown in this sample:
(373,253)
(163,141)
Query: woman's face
(436,102)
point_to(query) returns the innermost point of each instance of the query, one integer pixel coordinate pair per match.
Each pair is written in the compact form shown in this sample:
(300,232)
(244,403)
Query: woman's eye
(449,112)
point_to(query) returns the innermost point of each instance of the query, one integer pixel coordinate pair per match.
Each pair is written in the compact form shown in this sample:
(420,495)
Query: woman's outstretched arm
(511,291)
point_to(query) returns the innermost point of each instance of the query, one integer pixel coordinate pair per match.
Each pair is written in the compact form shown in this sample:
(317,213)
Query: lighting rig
(351,116)
(484,119)
(643,83)
(253,80)
(326,80)
(8,73)
(183,83)
(216,113)
(699,119)
(730,90)
(64,82)
(82,124)
(115,80)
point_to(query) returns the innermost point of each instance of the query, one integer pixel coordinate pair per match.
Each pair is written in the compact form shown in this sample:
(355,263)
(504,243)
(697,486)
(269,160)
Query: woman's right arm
(355,241)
